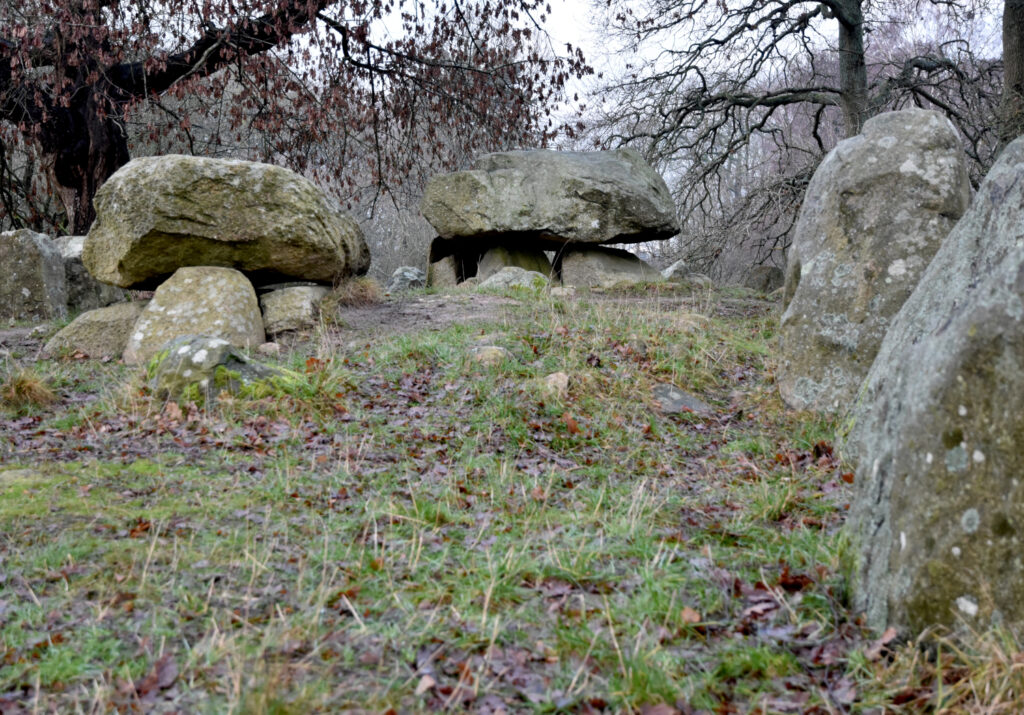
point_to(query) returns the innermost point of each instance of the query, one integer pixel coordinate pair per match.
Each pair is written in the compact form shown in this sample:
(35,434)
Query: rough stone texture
(938,514)
(514,277)
(501,257)
(201,367)
(677,271)
(32,283)
(489,355)
(84,291)
(443,273)
(764,279)
(671,400)
(587,197)
(291,308)
(98,333)
(406,278)
(875,213)
(555,386)
(157,214)
(216,302)
(601,267)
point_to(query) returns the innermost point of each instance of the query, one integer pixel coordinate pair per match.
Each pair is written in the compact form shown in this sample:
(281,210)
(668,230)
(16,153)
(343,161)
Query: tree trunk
(1011,123)
(87,144)
(853,71)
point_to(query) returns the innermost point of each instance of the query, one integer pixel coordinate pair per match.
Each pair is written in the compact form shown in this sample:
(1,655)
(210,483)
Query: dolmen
(234,250)
(551,212)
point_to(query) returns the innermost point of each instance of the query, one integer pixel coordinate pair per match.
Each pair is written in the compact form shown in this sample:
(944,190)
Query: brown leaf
(570,423)
(689,615)
(877,648)
(426,683)
(847,477)
(161,677)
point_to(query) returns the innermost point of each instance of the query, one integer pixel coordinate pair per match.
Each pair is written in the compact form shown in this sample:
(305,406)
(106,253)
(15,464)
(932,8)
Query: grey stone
(32,283)
(443,273)
(514,277)
(603,267)
(677,271)
(587,197)
(764,279)
(938,514)
(672,400)
(84,291)
(158,214)
(198,300)
(406,278)
(291,308)
(102,332)
(200,367)
(499,257)
(875,212)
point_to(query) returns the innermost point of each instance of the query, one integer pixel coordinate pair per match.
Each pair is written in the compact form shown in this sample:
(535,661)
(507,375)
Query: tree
(785,79)
(74,73)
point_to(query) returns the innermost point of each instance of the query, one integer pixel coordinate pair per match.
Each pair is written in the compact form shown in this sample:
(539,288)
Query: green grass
(404,529)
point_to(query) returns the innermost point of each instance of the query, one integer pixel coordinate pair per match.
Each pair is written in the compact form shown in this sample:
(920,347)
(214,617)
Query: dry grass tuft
(26,389)
(354,292)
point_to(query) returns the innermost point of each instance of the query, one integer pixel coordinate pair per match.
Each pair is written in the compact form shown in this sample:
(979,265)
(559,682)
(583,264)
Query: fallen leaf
(570,423)
(847,477)
(877,648)
(425,684)
(689,615)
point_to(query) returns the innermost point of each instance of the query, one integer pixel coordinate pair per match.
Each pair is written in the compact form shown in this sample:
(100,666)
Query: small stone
(671,400)
(489,355)
(269,349)
(556,386)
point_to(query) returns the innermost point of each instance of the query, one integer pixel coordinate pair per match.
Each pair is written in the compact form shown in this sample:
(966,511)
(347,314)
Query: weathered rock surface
(84,291)
(444,273)
(514,277)
(603,267)
(98,333)
(501,257)
(490,355)
(198,300)
(875,213)
(291,308)
(938,515)
(32,283)
(201,367)
(764,279)
(671,400)
(406,278)
(586,197)
(158,214)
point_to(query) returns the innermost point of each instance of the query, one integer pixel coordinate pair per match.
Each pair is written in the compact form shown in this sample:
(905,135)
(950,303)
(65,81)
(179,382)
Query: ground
(406,529)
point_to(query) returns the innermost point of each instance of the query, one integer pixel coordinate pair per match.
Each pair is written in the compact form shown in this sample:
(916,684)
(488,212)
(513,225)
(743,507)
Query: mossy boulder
(158,214)
(291,308)
(98,333)
(938,515)
(198,300)
(603,267)
(200,367)
(585,197)
(875,213)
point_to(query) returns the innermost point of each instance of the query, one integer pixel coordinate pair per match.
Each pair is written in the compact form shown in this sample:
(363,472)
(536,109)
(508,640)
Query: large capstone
(32,283)
(199,300)
(548,197)
(875,213)
(158,214)
(938,515)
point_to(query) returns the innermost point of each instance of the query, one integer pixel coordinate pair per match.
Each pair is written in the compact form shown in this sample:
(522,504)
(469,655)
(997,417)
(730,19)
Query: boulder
(938,514)
(98,333)
(602,267)
(200,367)
(875,212)
(444,273)
(586,197)
(499,257)
(513,277)
(764,279)
(677,271)
(293,308)
(84,291)
(199,300)
(406,278)
(32,283)
(158,214)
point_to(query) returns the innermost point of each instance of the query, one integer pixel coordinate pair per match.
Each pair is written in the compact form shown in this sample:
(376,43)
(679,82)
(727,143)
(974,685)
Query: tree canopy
(340,88)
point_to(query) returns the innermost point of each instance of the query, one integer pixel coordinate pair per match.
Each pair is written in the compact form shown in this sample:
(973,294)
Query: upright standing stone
(200,300)
(84,291)
(32,283)
(875,213)
(938,518)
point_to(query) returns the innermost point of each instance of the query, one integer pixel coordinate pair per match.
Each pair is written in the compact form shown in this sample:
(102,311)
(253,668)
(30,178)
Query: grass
(410,531)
